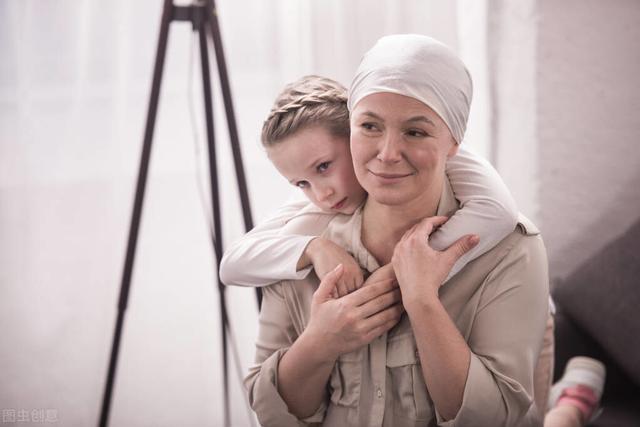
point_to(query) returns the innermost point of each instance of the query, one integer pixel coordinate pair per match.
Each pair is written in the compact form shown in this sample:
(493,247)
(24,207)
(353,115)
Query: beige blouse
(499,303)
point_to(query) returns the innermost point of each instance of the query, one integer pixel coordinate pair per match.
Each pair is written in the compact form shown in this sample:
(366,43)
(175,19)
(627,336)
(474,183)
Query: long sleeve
(486,207)
(266,255)
(506,339)
(276,334)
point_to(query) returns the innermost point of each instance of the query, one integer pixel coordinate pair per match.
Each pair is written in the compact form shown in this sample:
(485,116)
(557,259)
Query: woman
(465,352)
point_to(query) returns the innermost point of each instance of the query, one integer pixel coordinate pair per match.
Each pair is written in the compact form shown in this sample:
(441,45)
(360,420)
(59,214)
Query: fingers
(461,247)
(371,291)
(380,303)
(436,221)
(425,227)
(359,279)
(342,288)
(384,272)
(350,281)
(428,225)
(409,232)
(383,321)
(328,284)
(375,333)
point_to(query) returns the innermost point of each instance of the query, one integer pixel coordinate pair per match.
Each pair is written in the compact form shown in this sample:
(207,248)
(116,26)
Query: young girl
(306,136)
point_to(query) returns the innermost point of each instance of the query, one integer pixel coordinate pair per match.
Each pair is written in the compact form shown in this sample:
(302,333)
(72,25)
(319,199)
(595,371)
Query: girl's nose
(323,193)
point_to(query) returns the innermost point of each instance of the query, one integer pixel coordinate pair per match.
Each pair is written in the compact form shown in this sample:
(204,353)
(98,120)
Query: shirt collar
(346,231)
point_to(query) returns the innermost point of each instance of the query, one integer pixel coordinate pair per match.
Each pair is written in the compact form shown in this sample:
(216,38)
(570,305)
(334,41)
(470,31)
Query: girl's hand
(326,255)
(345,324)
(420,269)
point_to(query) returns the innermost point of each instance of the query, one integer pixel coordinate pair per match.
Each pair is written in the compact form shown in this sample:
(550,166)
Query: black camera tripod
(203,16)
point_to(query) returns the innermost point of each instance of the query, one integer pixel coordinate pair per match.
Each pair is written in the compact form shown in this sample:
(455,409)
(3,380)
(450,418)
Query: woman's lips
(389,177)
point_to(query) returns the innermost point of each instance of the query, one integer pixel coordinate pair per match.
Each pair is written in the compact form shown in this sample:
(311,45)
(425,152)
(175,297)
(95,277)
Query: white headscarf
(419,67)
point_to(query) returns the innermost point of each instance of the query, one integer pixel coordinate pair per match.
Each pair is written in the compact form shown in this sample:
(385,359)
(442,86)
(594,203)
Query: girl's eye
(323,166)
(302,184)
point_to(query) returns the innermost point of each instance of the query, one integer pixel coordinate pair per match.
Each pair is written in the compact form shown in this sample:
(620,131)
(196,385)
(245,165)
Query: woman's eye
(416,133)
(368,126)
(323,166)
(302,184)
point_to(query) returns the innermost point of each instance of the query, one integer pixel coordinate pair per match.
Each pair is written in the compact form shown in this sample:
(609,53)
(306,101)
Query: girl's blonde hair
(310,101)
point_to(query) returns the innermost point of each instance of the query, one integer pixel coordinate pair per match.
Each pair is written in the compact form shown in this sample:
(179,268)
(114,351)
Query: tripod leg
(215,201)
(137,209)
(212,18)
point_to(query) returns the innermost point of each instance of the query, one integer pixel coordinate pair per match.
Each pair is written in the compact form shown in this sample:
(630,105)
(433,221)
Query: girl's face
(400,147)
(320,165)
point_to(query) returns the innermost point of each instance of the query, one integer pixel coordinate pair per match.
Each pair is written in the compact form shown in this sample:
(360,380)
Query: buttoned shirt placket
(378,367)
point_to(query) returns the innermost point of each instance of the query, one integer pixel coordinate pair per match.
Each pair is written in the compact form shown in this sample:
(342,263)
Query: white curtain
(74,84)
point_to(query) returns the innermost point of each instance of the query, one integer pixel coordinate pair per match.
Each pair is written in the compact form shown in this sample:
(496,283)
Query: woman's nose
(389,150)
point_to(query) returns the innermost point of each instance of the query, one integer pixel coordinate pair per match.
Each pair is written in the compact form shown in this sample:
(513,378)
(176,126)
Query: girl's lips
(339,204)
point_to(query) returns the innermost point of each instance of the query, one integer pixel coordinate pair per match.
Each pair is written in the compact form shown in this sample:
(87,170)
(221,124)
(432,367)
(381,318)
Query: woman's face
(399,148)
(320,165)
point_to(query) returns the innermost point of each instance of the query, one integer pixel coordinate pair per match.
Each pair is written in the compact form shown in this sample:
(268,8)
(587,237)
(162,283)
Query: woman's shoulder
(526,226)
(526,242)
(524,237)
(308,221)
(293,299)
(515,269)
(518,259)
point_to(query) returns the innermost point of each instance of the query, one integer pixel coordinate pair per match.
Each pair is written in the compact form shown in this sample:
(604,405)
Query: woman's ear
(453,150)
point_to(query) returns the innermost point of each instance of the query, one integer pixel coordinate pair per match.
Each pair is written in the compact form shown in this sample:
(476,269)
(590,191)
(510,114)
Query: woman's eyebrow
(414,119)
(372,115)
(421,119)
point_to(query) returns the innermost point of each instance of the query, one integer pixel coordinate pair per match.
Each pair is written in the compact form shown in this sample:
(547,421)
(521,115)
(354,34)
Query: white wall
(74,82)
(565,127)
(512,61)
(588,122)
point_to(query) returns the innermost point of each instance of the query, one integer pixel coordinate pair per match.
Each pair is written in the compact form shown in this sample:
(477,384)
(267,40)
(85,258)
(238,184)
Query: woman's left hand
(419,268)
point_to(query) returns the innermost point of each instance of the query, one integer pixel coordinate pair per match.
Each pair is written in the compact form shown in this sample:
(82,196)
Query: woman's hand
(420,269)
(326,255)
(345,324)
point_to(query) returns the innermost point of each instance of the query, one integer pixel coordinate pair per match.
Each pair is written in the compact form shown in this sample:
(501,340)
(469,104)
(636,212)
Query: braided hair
(309,101)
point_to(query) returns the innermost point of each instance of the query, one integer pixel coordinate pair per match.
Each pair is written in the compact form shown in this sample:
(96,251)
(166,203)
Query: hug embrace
(409,291)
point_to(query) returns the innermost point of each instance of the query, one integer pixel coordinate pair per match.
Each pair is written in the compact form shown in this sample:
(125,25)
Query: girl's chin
(350,210)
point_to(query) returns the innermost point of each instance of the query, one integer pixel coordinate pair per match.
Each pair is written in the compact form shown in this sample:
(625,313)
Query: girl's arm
(286,247)
(486,207)
(264,255)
